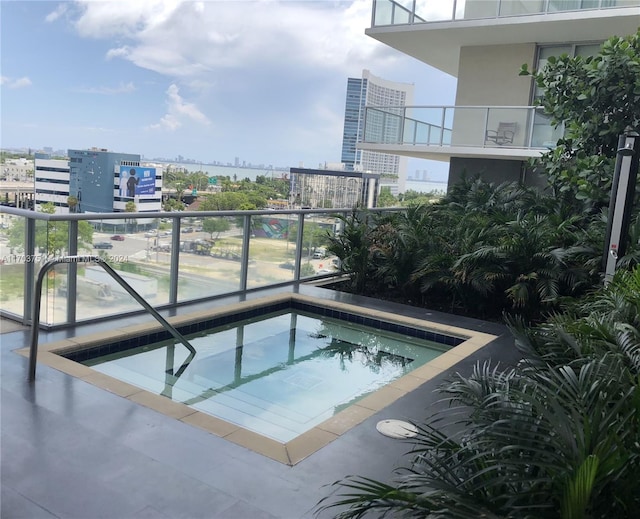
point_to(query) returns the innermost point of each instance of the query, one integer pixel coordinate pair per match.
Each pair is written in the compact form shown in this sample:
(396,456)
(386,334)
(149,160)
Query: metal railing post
(29,266)
(174,265)
(244,259)
(72,273)
(299,243)
(442,121)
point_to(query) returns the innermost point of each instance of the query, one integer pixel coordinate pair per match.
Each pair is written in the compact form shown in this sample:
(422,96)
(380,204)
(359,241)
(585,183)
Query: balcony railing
(168,258)
(474,126)
(391,12)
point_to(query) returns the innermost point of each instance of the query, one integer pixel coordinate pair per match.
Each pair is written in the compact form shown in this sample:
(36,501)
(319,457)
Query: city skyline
(264,81)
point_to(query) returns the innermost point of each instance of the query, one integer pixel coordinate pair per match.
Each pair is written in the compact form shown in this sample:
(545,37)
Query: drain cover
(397,429)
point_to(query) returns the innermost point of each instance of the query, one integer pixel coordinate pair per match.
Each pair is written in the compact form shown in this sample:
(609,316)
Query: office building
(374,91)
(494,127)
(97,180)
(51,182)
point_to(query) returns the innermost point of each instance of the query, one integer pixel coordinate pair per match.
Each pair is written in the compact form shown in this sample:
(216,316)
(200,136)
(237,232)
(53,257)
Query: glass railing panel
(272,249)
(383,12)
(53,303)
(12,271)
(508,127)
(425,125)
(458,126)
(139,251)
(383,126)
(401,15)
(570,5)
(469,126)
(389,12)
(543,134)
(520,7)
(315,259)
(210,257)
(432,11)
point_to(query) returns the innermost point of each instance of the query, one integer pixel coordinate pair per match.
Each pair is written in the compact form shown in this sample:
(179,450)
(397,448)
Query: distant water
(425,186)
(253,173)
(229,171)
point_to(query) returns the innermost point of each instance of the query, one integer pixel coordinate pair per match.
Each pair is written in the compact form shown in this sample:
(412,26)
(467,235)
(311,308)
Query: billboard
(137,181)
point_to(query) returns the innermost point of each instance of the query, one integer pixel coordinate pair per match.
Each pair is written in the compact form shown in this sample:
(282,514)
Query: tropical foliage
(554,437)
(482,250)
(595,98)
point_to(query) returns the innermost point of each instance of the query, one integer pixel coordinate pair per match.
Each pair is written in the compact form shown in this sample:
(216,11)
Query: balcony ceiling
(444,153)
(438,43)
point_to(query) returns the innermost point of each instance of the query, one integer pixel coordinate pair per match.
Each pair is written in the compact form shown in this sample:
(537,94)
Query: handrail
(35,318)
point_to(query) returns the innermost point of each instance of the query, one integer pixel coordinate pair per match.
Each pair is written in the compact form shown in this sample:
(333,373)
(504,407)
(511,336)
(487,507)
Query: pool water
(278,375)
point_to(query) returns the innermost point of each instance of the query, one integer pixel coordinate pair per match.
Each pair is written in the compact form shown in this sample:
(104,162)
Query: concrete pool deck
(70,448)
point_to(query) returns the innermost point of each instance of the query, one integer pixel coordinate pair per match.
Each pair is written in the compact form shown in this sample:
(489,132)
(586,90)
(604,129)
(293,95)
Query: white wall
(489,77)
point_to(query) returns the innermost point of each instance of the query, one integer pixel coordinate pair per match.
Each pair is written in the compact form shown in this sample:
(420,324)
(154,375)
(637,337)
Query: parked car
(103,245)
(117,237)
(187,230)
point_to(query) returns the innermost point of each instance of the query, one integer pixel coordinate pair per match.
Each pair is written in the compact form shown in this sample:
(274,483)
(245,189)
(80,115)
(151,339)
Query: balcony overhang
(445,153)
(438,43)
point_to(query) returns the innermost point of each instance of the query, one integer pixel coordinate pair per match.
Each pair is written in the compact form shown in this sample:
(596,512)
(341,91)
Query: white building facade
(51,177)
(494,127)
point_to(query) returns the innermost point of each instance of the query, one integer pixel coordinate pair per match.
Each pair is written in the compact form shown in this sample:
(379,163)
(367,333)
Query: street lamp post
(620,205)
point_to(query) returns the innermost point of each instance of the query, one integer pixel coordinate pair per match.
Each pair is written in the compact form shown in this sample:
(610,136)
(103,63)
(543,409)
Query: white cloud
(122,88)
(59,11)
(15,83)
(179,111)
(195,39)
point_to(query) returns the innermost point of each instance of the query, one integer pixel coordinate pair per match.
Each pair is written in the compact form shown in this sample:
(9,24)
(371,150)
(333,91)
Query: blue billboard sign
(137,181)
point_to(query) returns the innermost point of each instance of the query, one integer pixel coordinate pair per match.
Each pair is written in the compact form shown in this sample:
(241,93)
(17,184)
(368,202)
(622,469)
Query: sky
(262,80)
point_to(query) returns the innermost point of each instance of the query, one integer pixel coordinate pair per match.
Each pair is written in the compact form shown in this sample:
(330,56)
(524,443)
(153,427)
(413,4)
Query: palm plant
(527,265)
(352,246)
(554,437)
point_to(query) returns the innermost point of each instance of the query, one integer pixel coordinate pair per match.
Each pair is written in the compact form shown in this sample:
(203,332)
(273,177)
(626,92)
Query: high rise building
(373,91)
(494,127)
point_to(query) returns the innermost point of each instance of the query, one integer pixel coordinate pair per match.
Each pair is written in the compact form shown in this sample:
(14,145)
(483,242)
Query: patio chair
(503,135)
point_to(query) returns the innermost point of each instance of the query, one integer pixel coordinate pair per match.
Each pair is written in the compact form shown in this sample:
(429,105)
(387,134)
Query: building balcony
(435,31)
(442,132)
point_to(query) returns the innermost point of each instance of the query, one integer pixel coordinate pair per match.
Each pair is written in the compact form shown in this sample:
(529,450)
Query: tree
(171,204)
(215,225)
(386,199)
(130,207)
(52,238)
(595,98)
(72,202)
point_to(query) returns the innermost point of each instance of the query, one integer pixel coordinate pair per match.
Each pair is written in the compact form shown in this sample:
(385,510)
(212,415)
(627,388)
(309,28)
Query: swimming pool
(278,375)
(249,353)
